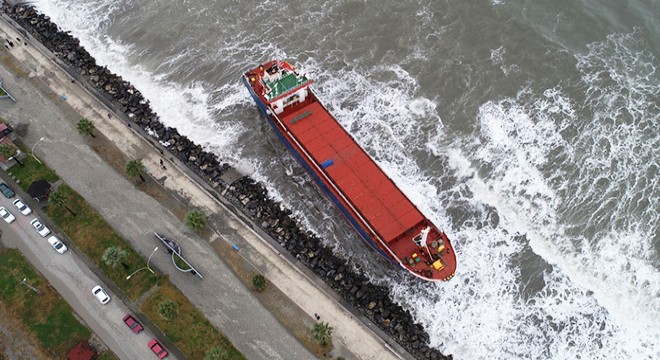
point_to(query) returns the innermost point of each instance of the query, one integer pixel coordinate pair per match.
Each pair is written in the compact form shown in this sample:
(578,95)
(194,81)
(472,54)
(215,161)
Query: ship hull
(369,200)
(315,176)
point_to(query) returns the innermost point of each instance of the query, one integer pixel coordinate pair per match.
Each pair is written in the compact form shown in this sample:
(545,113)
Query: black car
(6,191)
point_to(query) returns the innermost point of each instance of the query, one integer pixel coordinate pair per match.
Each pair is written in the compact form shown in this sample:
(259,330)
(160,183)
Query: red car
(155,346)
(133,324)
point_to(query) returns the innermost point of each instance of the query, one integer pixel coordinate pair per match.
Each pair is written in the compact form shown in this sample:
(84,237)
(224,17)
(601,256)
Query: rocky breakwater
(371,300)
(248,196)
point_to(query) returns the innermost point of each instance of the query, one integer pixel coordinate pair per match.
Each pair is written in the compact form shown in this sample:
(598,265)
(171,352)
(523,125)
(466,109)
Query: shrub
(217,353)
(322,333)
(8,150)
(168,309)
(113,255)
(258,282)
(195,220)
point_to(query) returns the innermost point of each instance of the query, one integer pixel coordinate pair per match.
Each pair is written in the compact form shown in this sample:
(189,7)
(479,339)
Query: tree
(217,353)
(8,151)
(168,309)
(322,333)
(195,220)
(58,199)
(259,282)
(113,255)
(85,127)
(134,168)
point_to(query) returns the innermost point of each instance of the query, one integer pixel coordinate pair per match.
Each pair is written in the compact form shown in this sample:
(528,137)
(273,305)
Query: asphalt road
(74,281)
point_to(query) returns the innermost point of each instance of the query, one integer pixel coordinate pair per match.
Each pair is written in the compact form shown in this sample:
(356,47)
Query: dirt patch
(10,63)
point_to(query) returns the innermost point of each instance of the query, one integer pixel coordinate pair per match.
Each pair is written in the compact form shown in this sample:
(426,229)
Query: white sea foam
(182,106)
(601,298)
(497,57)
(485,290)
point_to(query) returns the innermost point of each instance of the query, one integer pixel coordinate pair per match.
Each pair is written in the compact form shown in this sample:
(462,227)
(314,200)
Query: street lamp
(35,144)
(24,282)
(147,267)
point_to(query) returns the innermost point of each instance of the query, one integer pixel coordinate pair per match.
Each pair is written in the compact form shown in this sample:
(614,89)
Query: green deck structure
(286,83)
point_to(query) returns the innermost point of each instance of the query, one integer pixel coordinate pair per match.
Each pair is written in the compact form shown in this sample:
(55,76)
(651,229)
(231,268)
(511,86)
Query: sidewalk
(135,215)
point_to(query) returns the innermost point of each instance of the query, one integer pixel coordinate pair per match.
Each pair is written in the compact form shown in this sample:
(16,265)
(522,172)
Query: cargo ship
(382,215)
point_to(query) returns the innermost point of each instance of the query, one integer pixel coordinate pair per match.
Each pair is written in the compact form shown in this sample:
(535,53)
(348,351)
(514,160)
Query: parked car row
(136,327)
(42,229)
(102,296)
(99,293)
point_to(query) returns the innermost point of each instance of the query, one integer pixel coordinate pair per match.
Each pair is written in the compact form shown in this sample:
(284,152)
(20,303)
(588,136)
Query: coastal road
(73,280)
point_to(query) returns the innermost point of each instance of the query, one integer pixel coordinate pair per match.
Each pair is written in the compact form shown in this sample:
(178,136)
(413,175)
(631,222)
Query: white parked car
(100,294)
(41,228)
(6,215)
(24,209)
(57,244)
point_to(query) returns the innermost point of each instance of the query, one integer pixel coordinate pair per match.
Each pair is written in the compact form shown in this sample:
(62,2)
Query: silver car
(57,244)
(24,209)
(41,228)
(6,215)
(100,294)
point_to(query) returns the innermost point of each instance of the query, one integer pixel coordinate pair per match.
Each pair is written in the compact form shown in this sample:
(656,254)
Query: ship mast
(422,238)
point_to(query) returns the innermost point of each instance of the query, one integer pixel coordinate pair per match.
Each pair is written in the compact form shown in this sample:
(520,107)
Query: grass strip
(93,236)
(11,65)
(47,316)
(189,330)
(31,171)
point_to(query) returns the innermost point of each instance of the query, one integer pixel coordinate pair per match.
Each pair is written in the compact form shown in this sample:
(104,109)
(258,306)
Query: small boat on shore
(383,216)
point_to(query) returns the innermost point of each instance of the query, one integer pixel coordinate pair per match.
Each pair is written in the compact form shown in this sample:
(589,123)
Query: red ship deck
(375,196)
(377,208)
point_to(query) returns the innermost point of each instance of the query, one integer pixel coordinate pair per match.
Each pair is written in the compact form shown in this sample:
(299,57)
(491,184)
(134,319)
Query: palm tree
(8,151)
(134,168)
(195,220)
(58,199)
(113,255)
(85,127)
(322,333)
